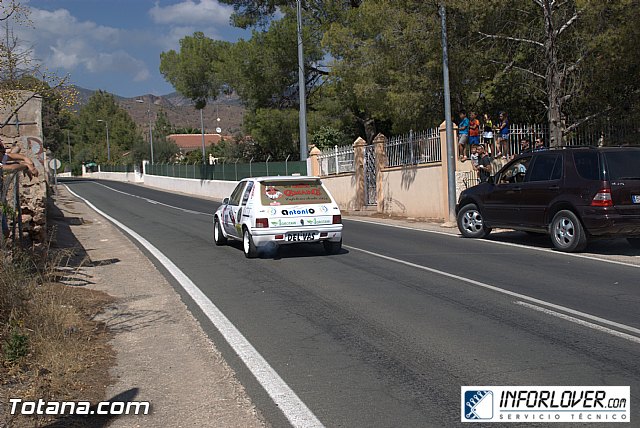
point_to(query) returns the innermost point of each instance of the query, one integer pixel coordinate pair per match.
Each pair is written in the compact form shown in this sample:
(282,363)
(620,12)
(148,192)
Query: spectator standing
(539,145)
(484,164)
(463,136)
(474,129)
(487,133)
(12,162)
(503,135)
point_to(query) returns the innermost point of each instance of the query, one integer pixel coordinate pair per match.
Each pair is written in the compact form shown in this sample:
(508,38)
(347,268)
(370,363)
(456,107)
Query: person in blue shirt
(503,135)
(463,136)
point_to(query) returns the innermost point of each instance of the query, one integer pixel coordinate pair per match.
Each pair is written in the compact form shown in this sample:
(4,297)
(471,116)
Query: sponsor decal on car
(318,221)
(299,212)
(280,223)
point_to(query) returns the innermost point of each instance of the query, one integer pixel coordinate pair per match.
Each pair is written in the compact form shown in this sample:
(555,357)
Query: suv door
(230,213)
(541,187)
(502,203)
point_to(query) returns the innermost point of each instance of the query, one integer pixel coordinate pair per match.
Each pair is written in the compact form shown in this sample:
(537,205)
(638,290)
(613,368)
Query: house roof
(194,141)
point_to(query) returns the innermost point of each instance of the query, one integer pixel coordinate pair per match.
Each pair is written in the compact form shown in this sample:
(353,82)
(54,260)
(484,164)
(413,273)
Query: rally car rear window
(304,192)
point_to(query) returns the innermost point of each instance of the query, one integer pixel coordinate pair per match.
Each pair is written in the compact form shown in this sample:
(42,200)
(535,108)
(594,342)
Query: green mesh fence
(228,171)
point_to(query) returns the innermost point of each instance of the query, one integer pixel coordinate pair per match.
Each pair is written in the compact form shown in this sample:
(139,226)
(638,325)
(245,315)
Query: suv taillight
(602,198)
(337,219)
(262,223)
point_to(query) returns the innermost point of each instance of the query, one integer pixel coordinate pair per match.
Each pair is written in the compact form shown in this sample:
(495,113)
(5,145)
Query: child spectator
(463,136)
(474,155)
(474,129)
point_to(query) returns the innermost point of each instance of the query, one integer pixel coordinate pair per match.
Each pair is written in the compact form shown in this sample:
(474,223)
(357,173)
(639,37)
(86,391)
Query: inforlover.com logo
(477,405)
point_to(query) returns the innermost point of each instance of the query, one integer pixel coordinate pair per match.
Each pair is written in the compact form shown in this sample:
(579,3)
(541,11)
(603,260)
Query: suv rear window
(587,165)
(303,192)
(623,164)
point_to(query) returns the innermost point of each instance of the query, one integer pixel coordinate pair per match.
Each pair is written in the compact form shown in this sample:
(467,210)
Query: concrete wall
(129,177)
(343,190)
(415,191)
(216,189)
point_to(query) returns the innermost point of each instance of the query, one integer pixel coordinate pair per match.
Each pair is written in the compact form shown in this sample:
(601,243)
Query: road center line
(503,291)
(488,241)
(152,201)
(298,414)
(580,322)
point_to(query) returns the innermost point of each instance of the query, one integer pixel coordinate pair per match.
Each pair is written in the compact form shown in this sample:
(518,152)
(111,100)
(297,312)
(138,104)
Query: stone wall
(23,134)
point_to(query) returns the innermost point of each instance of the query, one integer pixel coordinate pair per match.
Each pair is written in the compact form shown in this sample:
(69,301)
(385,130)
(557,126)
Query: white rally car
(265,211)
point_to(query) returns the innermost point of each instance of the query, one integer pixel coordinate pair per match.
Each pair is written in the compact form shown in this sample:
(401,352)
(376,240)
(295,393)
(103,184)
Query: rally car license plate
(301,236)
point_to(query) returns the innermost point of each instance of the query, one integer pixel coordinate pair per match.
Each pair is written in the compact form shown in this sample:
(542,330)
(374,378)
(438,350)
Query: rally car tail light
(337,219)
(602,198)
(262,223)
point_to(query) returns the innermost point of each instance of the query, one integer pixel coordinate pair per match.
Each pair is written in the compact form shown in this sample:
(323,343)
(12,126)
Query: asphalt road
(385,333)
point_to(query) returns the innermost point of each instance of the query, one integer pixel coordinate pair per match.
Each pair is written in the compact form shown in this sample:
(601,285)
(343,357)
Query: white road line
(488,241)
(503,291)
(152,201)
(298,414)
(581,322)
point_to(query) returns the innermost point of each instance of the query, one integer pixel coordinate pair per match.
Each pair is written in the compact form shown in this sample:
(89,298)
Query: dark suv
(574,194)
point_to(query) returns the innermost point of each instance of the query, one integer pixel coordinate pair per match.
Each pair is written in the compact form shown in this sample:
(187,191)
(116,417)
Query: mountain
(180,111)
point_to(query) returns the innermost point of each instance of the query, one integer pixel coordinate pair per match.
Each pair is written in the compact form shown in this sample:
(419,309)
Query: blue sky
(115,45)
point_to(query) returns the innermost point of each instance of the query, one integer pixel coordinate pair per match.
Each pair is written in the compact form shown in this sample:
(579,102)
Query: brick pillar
(313,161)
(379,144)
(358,163)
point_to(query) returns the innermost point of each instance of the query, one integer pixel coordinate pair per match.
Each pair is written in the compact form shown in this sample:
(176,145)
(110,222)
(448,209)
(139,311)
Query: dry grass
(50,346)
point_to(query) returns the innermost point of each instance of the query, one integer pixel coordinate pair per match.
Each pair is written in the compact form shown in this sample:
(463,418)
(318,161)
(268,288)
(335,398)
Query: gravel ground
(163,355)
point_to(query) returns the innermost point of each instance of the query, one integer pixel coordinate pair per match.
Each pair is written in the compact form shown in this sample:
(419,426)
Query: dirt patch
(67,355)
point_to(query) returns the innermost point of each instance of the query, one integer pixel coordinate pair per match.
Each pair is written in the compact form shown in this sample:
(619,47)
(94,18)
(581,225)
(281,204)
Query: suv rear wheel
(470,222)
(567,233)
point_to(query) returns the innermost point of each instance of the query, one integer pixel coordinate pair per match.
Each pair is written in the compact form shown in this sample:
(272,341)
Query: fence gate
(370,191)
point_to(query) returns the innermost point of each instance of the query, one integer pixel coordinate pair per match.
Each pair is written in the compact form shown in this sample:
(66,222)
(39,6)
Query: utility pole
(202,128)
(302,89)
(451,165)
(150,131)
(69,145)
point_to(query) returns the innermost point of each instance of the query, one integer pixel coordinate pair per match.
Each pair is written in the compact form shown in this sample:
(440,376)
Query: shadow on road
(289,251)
(609,247)
(72,255)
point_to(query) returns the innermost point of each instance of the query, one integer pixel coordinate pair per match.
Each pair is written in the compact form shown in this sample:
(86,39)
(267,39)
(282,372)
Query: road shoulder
(163,355)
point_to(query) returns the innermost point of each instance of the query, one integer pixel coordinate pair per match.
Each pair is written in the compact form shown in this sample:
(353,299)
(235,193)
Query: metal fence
(10,208)
(590,134)
(336,160)
(231,171)
(414,148)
